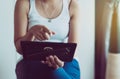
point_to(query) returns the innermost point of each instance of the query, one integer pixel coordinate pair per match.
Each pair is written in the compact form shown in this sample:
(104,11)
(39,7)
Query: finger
(47,36)
(48,31)
(58,61)
(42,34)
(43,62)
(53,33)
(36,34)
(39,36)
(54,64)
(51,58)
(48,62)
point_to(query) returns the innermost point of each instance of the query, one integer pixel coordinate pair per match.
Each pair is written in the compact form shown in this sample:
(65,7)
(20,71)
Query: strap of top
(70,1)
(32,6)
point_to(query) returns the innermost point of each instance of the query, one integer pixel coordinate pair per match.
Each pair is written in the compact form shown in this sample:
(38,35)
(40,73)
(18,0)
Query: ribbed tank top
(59,24)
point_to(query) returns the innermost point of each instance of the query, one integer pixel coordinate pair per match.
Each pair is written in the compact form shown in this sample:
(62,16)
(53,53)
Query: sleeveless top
(59,24)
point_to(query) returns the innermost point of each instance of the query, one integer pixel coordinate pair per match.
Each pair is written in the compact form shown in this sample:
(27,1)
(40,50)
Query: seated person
(46,21)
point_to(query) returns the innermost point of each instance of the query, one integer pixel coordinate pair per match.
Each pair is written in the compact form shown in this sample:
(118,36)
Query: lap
(37,70)
(33,70)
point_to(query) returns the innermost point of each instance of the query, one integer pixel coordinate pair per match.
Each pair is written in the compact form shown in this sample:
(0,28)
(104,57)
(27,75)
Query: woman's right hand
(41,32)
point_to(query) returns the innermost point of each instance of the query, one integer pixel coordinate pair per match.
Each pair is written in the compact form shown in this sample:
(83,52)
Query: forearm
(27,37)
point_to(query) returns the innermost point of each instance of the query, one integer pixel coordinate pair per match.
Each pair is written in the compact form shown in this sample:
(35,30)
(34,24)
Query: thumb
(58,61)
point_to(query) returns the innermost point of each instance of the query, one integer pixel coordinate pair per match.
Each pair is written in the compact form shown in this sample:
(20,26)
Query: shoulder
(74,7)
(22,5)
(74,4)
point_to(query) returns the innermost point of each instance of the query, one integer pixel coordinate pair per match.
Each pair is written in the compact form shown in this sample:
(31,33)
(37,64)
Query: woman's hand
(41,32)
(53,61)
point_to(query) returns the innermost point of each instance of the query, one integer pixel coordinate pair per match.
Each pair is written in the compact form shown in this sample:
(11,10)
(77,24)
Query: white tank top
(60,24)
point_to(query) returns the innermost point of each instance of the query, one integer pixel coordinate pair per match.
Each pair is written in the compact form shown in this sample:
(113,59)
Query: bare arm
(20,23)
(74,22)
(22,33)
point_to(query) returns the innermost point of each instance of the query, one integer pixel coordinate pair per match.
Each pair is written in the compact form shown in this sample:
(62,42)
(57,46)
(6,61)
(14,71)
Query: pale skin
(41,32)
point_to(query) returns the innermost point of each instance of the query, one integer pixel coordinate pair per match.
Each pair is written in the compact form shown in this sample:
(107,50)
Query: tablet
(38,51)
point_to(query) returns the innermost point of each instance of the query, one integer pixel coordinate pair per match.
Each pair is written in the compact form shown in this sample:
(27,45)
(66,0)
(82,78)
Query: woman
(51,21)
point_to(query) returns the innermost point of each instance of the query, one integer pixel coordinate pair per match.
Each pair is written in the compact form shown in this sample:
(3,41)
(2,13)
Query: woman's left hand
(53,61)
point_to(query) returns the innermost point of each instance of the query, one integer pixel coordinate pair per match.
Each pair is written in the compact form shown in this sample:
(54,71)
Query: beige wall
(103,24)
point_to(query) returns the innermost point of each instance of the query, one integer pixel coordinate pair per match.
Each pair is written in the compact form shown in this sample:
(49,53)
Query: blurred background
(107,44)
(8,55)
(100,40)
